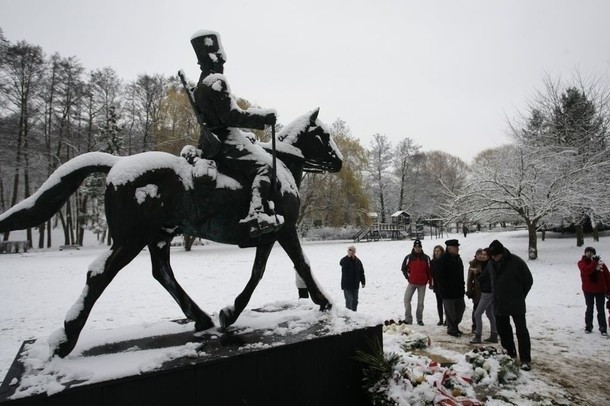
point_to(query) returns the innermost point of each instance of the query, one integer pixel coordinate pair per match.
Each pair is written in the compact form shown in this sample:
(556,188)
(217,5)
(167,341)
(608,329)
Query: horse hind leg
(229,314)
(289,241)
(163,273)
(100,274)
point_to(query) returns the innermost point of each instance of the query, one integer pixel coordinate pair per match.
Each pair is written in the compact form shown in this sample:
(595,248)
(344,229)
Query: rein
(273,170)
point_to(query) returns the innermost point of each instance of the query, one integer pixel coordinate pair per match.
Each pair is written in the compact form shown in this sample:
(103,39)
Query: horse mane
(288,137)
(290,133)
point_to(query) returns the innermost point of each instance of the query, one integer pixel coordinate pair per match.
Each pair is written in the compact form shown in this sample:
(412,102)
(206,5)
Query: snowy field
(38,288)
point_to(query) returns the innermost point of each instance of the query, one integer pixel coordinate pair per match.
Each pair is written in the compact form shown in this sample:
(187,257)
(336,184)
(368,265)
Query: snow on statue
(153,196)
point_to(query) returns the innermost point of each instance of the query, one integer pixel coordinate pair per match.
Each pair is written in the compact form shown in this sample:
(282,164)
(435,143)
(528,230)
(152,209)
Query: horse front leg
(163,273)
(100,274)
(289,240)
(229,314)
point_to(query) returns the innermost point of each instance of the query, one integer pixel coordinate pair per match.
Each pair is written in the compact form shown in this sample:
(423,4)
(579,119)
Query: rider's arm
(230,114)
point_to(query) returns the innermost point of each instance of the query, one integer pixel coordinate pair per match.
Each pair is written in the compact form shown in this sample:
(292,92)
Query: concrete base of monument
(283,353)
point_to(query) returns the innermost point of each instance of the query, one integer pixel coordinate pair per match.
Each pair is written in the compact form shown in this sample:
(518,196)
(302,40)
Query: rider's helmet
(210,54)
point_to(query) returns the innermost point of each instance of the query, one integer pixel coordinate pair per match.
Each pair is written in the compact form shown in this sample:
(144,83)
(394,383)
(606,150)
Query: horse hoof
(226,317)
(203,325)
(326,306)
(63,349)
(59,344)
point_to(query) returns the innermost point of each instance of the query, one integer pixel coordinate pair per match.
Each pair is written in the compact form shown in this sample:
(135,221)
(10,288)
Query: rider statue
(221,138)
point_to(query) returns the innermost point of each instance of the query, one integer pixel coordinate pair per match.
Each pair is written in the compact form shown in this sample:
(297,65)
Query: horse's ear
(314,116)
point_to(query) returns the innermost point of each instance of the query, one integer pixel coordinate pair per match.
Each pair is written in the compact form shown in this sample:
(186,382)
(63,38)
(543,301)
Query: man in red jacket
(416,269)
(595,286)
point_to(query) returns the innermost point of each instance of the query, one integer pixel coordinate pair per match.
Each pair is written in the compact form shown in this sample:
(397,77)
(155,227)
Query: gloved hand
(270,119)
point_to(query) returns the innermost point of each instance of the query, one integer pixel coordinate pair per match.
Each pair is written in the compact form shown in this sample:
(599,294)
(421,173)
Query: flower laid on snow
(401,378)
(491,365)
(413,341)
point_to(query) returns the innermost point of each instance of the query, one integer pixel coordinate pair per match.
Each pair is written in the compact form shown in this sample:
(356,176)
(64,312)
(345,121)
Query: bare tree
(21,74)
(379,169)
(406,158)
(103,104)
(443,175)
(149,92)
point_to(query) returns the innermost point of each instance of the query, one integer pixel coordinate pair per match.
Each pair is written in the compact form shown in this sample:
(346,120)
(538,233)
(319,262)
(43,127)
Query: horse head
(312,137)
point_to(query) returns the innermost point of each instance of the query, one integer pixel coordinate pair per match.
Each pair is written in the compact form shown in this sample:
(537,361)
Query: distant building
(401,217)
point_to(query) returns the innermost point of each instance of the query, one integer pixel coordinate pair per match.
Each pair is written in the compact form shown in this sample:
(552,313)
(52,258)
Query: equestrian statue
(229,189)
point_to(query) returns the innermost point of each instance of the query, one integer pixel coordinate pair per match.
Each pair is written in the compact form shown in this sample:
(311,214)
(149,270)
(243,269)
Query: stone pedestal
(311,367)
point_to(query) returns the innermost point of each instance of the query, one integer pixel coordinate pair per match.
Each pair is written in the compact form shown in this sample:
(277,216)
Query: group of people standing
(498,283)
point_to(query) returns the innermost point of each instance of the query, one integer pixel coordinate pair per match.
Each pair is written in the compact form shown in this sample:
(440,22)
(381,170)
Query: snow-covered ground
(38,288)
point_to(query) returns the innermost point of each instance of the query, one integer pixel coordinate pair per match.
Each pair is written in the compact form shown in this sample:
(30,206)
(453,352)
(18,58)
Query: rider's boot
(258,221)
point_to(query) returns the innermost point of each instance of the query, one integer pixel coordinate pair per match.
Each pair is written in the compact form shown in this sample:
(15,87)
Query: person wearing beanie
(511,281)
(416,270)
(595,286)
(449,280)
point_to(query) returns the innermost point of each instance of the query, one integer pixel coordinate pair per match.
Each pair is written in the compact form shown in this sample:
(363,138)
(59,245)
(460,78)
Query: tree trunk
(580,236)
(16,175)
(69,222)
(80,219)
(64,226)
(26,182)
(188,242)
(49,233)
(596,233)
(382,203)
(41,235)
(401,199)
(532,240)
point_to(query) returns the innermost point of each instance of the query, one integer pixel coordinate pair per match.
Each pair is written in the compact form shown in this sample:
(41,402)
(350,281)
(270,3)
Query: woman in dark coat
(436,254)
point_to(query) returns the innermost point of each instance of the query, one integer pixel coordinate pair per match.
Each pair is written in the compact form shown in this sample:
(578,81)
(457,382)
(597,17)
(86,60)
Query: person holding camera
(595,286)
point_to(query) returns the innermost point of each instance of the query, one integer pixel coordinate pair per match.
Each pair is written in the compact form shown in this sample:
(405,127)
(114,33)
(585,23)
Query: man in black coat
(449,280)
(511,280)
(352,275)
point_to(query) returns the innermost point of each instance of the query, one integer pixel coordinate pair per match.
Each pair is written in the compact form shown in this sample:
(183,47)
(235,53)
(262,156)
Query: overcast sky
(445,73)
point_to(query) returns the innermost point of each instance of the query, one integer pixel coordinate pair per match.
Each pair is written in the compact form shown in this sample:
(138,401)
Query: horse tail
(53,193)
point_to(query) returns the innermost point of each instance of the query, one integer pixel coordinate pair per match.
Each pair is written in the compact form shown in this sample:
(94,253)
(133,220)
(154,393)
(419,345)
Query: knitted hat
(496,248)
(590,249)
(416,242)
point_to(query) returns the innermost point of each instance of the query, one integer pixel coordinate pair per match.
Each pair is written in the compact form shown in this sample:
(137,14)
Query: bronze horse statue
(153,196)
